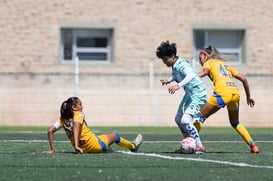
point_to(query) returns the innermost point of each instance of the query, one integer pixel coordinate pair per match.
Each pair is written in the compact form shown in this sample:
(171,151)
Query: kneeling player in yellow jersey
(80,136)
(226,92)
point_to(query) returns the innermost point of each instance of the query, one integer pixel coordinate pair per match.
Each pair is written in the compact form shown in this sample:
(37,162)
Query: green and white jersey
(186,77)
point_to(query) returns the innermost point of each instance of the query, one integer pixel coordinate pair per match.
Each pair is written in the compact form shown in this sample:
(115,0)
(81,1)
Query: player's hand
(164,81)
(174,88)
(49,151)
(79,150)
(250,102)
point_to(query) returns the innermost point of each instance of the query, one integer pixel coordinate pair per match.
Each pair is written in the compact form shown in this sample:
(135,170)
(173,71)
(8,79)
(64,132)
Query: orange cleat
(254,149)
(200,150)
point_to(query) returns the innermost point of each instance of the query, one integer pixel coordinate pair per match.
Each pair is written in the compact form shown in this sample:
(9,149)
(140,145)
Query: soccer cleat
(254,149)
(200,150)
(137,142)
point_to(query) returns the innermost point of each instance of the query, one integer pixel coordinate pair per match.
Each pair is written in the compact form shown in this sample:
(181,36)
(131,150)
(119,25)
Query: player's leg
(240,128)
(200,104)
(187,124)
(178,118)
(192,110)
(206,112)
(124,143)
(214,103)
(180,111)
(233,113)
(184,118)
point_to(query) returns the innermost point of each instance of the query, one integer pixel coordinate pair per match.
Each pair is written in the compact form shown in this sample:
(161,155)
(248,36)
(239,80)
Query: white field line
(150,142)
(30,141)
(196,159)
(165,156)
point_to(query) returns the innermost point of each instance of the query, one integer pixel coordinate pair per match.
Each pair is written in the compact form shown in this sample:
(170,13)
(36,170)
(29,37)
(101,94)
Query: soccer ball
(188,145)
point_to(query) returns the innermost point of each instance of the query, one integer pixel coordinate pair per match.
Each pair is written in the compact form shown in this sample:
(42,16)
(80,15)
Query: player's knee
(235,124)
(117,138)
(186,119)
(178,119)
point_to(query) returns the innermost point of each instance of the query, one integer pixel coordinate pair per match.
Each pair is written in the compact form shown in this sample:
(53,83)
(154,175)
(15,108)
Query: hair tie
(204,52)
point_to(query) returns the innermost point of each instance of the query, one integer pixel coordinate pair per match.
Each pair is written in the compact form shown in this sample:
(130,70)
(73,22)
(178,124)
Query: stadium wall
(34,80)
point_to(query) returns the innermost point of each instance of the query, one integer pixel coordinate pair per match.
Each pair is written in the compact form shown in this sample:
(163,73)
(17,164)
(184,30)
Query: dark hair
(66,108)
(166,49)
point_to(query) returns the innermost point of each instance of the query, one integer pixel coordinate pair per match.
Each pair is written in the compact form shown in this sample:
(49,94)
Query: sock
(124,143)
(243,132)
(179,124)
(191,130)
(199,123)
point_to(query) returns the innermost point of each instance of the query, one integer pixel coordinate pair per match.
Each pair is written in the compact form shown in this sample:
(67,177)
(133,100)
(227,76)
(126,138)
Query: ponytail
(213,53)
(66,108)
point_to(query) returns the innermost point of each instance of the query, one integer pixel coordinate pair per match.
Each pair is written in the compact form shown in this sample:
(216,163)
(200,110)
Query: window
(230,42)
(89,45)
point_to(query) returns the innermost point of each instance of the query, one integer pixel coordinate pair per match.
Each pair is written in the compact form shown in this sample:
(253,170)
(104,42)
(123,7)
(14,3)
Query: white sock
(187,125)
(179,124)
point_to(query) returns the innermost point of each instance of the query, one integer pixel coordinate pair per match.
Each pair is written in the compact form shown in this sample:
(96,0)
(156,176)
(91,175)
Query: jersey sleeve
(58,124)
(78,117)
(189,76)
(233,71)
(206,65)
(170,79)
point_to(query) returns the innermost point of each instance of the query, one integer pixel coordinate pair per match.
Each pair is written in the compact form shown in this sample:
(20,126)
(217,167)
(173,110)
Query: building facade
(104,52)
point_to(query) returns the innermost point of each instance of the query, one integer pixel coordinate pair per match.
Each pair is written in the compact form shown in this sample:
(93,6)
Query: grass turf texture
(227,157)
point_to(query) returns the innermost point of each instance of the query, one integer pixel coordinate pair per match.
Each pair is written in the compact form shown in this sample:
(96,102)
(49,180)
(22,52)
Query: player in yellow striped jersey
(226,92)
(83,140)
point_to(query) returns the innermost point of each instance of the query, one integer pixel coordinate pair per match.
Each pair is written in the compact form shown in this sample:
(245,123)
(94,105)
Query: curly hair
(166,49)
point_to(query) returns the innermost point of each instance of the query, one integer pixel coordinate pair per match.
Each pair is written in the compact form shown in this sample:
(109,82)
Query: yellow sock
(125,143)
(244,133)
(198,125)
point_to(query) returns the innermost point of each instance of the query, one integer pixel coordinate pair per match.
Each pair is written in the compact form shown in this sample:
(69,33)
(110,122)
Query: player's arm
(244,81)
(204,72)
(50,134)
(189,76)
(166,81)
(77,132)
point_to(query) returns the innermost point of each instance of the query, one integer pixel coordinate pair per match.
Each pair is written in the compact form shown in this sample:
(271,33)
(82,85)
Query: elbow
(51,130)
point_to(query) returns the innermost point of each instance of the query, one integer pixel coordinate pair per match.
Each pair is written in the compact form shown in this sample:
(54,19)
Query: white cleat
(137,142)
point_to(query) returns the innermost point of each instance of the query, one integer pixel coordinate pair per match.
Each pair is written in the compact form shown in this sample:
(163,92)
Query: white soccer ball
(188,145)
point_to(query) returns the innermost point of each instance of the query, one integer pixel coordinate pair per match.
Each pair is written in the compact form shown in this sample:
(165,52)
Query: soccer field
(227,156)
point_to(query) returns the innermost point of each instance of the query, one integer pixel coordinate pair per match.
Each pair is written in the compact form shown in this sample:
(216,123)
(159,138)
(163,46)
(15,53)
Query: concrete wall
(116,100)
(34,81)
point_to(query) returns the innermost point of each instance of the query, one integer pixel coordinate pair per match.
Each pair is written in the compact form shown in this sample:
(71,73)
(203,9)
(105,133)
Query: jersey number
(224,71)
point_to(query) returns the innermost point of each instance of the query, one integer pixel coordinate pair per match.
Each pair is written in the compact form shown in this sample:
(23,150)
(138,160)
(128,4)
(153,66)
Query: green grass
(227,157)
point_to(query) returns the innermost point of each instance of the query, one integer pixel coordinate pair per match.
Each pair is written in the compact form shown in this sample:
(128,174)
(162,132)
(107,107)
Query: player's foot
(254,149)
(200,150)
(137,142)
